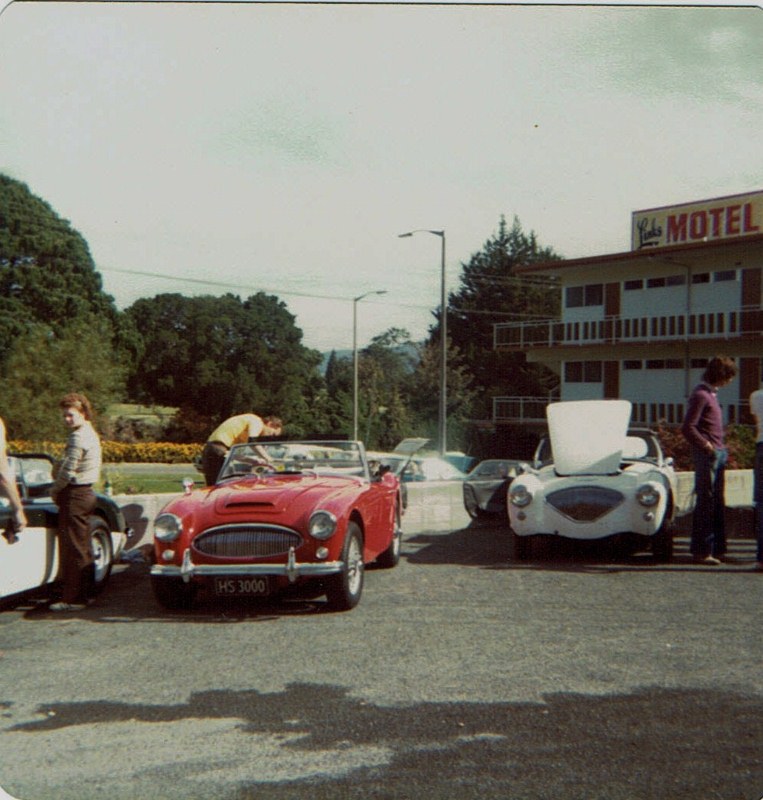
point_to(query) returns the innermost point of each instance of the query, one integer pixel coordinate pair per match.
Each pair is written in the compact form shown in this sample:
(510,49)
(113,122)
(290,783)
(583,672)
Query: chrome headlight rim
(167,527)
(322,525)
(648,495)
(520,496)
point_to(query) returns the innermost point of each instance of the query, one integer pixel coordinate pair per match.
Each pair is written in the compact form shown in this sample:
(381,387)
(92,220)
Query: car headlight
(322,525)
(167,527)
(520,496)
(648,495)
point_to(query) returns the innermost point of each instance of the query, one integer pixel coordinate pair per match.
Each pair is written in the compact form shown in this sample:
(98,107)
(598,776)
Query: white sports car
(592,478)
(30,561)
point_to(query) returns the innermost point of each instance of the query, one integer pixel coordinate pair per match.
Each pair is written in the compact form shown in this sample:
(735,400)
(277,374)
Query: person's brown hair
(719,369)
(78,401)
(273,422)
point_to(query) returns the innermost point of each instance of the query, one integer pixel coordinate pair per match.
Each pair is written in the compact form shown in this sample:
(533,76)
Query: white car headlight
(648,495)
(520,496)
(322,525)
(167,527)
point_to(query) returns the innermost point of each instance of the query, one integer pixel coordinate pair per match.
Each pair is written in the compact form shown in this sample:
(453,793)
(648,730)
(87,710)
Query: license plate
(244,586)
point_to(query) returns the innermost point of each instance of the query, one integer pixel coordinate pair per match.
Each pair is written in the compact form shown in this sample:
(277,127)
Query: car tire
(343,590)
(173,593)
(662,544)
(391,556)
(103,554)
(522,547)
(470,503)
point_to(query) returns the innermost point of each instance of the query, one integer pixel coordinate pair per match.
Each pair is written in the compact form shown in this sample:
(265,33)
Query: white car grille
(585,503)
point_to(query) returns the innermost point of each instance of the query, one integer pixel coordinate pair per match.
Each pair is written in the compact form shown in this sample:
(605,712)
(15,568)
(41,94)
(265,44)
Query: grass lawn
(148,478)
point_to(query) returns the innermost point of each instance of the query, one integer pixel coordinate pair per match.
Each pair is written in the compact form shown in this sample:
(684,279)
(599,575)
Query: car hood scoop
(588,436)
(265,496)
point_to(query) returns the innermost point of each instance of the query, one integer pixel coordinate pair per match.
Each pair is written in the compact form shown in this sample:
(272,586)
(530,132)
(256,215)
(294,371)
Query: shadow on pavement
(652,744)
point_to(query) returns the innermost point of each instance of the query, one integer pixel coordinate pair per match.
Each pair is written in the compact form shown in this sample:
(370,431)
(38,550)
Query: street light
(355,301)
(443,417)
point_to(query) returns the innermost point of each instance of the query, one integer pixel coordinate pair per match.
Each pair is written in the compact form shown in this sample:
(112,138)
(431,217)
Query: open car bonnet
(588,436)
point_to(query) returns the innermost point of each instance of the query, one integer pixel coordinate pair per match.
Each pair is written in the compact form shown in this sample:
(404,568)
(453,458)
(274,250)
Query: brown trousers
(75,504)
(212,458)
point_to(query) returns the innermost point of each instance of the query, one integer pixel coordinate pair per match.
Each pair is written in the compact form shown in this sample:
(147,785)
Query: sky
(209,147)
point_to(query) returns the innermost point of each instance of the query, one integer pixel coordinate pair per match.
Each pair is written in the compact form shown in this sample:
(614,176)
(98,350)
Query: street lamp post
(443,415)
(355,301)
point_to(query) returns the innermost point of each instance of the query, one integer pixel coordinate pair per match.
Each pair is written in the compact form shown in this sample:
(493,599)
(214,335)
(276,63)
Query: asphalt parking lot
(460,675)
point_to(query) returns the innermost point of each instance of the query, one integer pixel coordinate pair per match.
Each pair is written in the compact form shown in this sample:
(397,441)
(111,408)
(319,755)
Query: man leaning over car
(235,430)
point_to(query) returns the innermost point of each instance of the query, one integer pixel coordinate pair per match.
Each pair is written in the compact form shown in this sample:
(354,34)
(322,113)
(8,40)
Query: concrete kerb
(439,506)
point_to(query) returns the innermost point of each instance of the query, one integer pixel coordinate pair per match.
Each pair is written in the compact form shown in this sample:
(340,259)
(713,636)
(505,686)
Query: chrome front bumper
(291,569)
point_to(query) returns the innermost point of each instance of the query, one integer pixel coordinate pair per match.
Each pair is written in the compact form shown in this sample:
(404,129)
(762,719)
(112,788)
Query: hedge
(119,452)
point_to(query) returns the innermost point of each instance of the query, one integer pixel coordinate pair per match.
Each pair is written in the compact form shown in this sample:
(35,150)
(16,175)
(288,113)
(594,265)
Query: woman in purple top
(703,429)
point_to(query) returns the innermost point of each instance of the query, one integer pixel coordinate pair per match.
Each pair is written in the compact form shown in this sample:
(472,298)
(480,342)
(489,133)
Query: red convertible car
(311,511)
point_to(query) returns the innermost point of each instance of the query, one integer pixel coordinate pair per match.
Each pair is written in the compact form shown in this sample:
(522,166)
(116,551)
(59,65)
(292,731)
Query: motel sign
(701,221)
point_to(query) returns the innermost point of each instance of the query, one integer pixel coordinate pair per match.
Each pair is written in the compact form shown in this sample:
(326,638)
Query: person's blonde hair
(78,401)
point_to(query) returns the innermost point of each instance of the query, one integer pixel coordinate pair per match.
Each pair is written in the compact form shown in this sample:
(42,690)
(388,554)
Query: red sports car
(280,513)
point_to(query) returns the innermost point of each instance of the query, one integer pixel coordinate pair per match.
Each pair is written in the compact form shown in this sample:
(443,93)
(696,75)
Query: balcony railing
(533,410)
(745,322)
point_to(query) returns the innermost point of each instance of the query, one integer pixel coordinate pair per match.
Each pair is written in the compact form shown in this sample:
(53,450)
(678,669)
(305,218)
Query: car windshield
(32,470)
(638,446)
(494,469)
(323,457)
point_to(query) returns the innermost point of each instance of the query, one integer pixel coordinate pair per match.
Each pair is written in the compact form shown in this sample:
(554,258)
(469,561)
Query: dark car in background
(486,487)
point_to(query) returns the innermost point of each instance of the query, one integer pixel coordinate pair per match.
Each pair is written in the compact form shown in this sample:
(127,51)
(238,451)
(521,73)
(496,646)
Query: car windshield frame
(324,457)
(544,455)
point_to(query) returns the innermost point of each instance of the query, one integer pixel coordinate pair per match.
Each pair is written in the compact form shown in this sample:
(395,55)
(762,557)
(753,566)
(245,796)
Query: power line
(309,295)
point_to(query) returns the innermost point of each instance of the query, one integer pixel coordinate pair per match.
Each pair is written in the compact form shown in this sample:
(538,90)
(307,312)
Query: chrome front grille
(247,541)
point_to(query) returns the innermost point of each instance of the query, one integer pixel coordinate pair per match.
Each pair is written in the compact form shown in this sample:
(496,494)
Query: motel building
(640,325)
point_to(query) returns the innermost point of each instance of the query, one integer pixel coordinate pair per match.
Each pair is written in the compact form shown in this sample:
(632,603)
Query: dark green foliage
(46,271)
(222,355)
(58,330)
(491,292)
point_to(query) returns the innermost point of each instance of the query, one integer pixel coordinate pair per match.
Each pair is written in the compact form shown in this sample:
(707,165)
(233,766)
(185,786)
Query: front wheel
(662,543)
(522,547)
(343,590)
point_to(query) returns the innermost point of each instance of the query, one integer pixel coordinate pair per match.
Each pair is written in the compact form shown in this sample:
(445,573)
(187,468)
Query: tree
(42,366)
(222,355)
(491,292)
(47,276)
(423,395)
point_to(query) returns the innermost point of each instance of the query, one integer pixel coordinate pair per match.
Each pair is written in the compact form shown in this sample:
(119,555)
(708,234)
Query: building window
(631,364)
(578,296)
(655,283)
(664,363)
(701,277)
(582,371)
(630,286)
(725,275)
(675,280)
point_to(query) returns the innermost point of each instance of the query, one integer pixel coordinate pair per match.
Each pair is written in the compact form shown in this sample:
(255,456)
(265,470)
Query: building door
(611,380)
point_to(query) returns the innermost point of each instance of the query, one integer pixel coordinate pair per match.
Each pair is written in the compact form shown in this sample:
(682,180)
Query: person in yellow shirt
(238,429)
